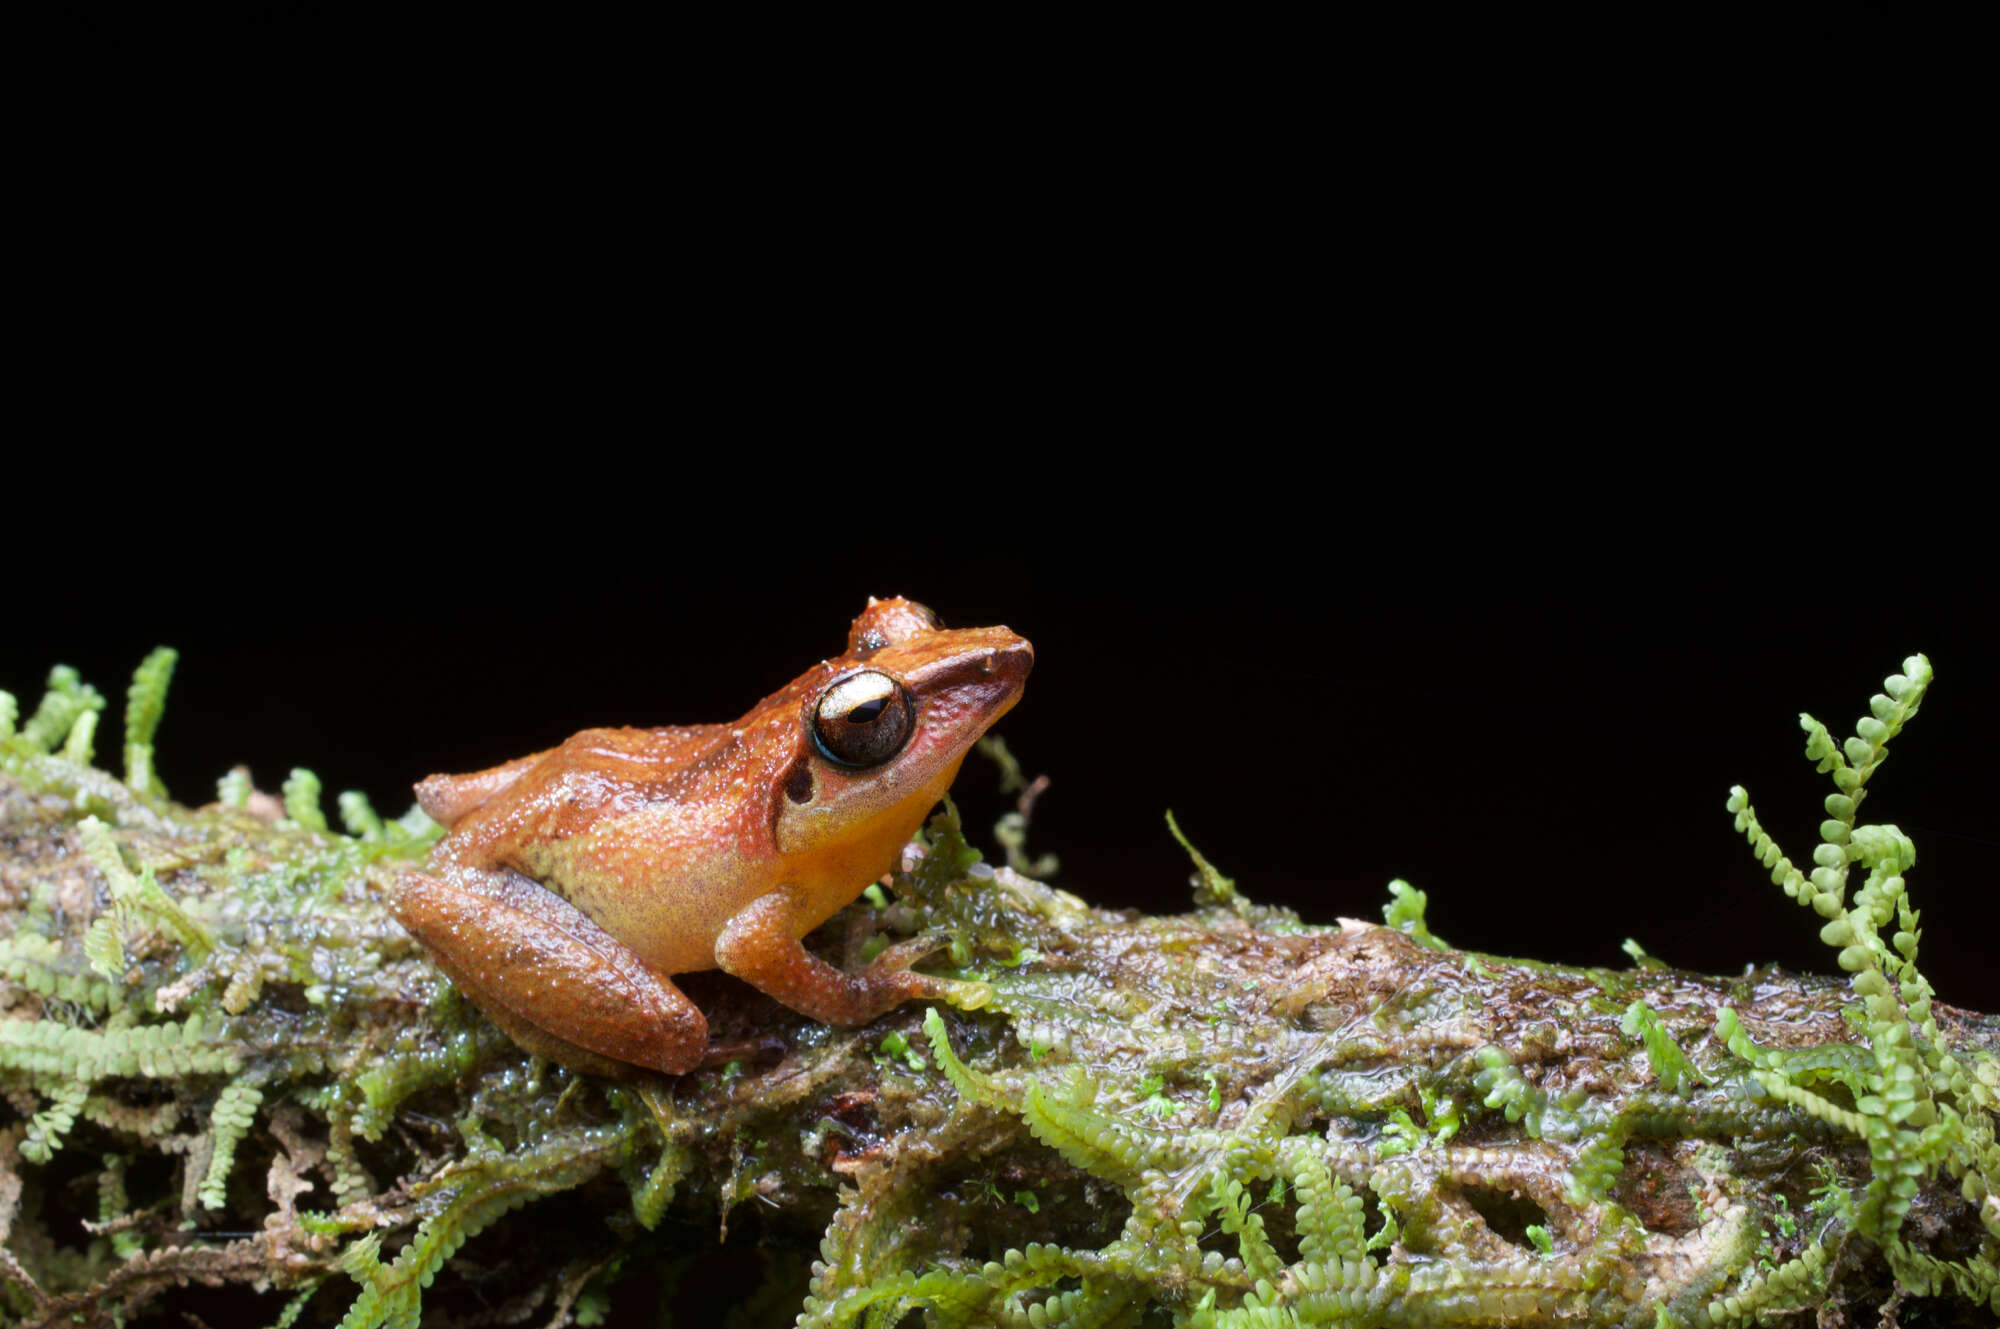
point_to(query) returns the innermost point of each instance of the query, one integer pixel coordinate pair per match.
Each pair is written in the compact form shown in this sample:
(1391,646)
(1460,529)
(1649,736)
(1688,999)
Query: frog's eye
(862,720)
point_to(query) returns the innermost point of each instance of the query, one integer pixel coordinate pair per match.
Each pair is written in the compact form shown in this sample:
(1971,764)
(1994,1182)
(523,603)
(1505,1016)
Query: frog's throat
(828,875)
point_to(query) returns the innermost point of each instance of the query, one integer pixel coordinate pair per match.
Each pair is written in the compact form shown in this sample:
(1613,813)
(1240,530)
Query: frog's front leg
(761,946)
(555,981)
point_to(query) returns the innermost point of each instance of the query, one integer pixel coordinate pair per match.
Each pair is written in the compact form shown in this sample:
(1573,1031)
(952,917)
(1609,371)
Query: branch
(207,1019)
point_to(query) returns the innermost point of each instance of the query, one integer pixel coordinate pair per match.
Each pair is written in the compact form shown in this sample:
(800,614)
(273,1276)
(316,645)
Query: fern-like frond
(486,1187)
(1329,1214)
(233,789)
(68,697)
(235,1109)
(1235,1210)
(359,816)
(1405,913)
(145,704)
(80,745)
(302,809)
(104,945)
(1670,1065)
(651,1196)
(169,1048)
(971,1084)
(140,897)
(1791,1286)
(1911,1093)
(47,1127)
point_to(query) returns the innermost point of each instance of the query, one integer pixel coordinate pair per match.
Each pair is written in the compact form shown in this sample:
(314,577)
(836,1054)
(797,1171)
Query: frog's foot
(555,981)
(761,946)
(968,996)
(908,951)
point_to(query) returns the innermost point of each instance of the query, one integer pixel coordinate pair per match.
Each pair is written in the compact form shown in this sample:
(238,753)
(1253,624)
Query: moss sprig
(113,1207)
(1791,1286)
(38,965)
(482,1188)
(1405,912)
(1916,1102)
(79,745)
(235,1110)
(165,1050)
(67,698)
(1670,1064)
(302,800)
(47,1128)
(1213,890)
(145,705)
(137,898)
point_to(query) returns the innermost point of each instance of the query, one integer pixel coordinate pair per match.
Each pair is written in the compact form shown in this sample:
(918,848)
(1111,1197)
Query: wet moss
(225,1072)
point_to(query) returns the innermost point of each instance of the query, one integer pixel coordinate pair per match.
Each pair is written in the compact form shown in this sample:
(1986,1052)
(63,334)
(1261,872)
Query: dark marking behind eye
(799,781)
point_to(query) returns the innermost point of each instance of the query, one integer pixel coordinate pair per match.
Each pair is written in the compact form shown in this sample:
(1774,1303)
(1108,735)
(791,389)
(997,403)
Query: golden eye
(862,720)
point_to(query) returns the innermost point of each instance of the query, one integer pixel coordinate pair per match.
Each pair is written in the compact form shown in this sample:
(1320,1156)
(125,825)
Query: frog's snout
(1012,661)
(1004,674)
(1001,672)
(977,676)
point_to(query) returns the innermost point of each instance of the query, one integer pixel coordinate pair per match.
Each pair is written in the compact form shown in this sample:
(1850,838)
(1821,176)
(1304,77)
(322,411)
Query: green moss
(145,706)
(1227,1118)
(1924,1108)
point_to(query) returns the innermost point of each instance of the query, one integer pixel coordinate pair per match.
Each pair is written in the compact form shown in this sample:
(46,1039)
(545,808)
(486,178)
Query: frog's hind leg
(760,945)
(555,981)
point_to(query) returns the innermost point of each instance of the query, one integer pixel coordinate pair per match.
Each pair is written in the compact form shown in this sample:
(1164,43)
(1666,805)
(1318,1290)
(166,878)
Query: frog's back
(566,789)
(447,799)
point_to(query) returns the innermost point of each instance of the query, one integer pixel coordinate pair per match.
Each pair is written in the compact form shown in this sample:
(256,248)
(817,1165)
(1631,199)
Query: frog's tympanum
(573,882)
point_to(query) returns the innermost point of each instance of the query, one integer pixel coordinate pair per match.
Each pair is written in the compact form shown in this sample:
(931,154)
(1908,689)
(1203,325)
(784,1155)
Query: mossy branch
(1227,1119)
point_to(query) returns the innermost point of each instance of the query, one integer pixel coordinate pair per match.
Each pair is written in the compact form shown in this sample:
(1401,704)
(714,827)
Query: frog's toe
(962,993)
(892,970)
(899,957)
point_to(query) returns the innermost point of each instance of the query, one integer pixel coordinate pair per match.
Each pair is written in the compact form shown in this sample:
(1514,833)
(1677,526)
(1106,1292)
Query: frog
(572,884)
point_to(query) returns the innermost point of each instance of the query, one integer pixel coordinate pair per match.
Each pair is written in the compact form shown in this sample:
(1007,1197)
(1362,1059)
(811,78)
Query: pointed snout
(992,660)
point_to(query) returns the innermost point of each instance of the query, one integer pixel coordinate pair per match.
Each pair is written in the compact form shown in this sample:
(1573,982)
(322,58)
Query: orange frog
(574,882)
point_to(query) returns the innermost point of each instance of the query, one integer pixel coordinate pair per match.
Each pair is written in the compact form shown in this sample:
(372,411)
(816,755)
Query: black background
(1471,494)
(1534,716)
(1433,461)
